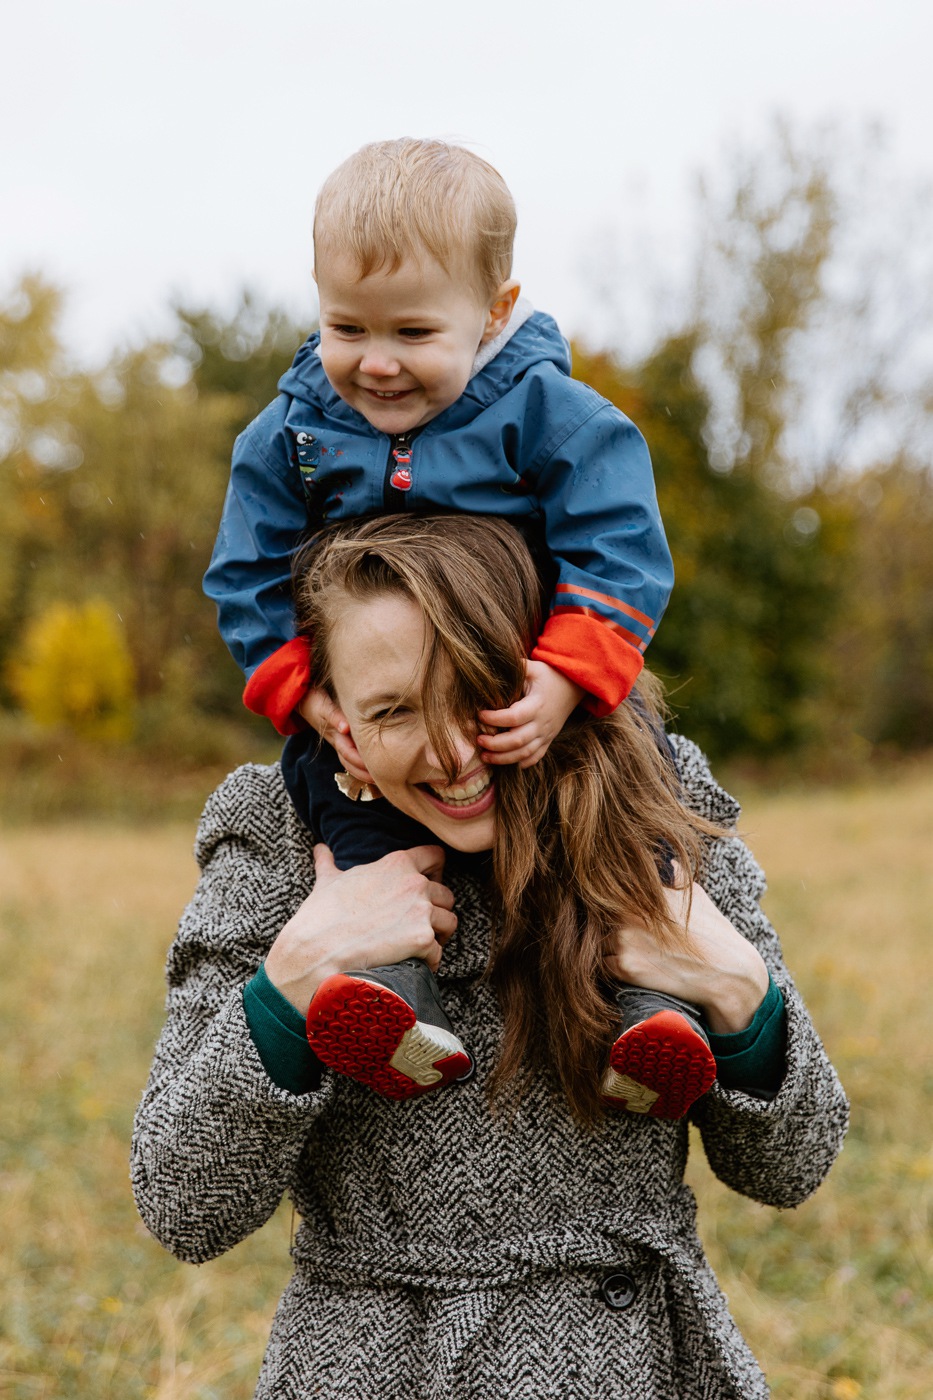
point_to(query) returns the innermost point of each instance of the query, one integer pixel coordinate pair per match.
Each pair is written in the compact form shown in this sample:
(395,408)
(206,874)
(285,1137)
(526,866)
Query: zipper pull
(401,477)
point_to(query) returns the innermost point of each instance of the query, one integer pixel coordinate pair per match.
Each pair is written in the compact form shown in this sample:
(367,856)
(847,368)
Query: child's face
(399,346)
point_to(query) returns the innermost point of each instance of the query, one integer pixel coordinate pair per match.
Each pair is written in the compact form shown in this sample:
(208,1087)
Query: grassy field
(835,1297)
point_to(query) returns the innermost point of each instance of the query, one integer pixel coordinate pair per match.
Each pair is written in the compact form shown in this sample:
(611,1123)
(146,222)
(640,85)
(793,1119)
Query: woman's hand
(725,975)
(370,916)
(324,715)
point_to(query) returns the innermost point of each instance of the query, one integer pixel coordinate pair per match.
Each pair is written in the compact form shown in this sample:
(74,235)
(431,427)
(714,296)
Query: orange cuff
(277,687)
(590,651)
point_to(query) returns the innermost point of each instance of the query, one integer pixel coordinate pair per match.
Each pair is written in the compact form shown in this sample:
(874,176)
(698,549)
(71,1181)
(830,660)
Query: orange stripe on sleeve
(613,603)
(631,638)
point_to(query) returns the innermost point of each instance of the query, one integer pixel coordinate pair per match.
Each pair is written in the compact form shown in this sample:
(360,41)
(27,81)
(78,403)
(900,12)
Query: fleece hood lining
(521,312)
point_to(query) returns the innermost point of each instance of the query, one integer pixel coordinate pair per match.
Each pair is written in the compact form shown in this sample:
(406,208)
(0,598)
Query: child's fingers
(522,746)
(519,713)
(346,748)
(321,712)
(526,757)
(508,741)
(351,758)
(529,762)
(334,717)
(309,709)
(534,757)
(339,720)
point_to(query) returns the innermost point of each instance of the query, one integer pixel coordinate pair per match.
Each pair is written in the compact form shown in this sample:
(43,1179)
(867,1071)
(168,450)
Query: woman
(508,1237)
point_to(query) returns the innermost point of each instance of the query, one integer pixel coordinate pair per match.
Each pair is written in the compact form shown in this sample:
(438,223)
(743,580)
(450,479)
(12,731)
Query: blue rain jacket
(524,441)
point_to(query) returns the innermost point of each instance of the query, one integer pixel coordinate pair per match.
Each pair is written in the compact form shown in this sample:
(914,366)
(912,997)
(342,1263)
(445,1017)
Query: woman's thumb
(324,866)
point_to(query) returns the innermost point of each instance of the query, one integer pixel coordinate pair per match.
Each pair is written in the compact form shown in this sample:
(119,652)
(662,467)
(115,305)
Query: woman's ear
(353,761)
(500,309)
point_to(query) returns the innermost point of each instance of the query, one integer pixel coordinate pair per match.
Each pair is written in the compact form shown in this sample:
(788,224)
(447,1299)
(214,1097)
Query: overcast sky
(175,148)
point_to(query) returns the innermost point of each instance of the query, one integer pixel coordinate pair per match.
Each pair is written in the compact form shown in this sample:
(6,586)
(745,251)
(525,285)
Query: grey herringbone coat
(446,1254)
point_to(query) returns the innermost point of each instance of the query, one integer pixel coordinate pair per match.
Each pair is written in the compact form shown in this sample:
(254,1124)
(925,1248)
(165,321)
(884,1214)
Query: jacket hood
(537,340)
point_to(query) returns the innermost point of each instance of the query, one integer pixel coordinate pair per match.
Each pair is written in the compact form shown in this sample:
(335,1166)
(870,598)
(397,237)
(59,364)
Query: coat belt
(451,1268)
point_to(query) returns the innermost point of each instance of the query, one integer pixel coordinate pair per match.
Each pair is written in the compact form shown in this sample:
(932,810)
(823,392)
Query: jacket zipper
(398,472)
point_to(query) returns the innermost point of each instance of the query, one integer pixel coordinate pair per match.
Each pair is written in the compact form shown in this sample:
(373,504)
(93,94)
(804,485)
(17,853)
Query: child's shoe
(661,1063)
(386,1028)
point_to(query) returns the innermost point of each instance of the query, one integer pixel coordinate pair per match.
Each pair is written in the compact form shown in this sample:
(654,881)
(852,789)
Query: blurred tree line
(802,618)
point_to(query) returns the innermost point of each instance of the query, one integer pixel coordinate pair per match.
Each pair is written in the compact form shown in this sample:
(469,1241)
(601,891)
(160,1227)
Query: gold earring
(356,790)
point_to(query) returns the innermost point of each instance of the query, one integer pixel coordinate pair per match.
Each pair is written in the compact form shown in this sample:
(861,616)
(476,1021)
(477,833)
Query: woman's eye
(386,716)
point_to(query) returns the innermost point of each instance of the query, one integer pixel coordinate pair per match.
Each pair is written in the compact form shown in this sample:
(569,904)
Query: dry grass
(90,1305)
(835,1297)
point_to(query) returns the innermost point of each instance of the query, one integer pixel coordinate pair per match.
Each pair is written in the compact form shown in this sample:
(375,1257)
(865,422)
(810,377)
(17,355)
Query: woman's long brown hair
(579,836)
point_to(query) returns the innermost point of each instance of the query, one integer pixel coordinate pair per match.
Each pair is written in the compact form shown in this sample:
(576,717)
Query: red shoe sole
(663,1066)
(355,1028)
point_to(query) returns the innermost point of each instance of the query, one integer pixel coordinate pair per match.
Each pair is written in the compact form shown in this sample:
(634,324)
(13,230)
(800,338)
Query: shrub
(74,671)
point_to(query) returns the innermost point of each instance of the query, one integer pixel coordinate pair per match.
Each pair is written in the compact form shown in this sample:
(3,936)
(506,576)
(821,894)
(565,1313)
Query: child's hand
(323,714)
(532,722)
(320,711)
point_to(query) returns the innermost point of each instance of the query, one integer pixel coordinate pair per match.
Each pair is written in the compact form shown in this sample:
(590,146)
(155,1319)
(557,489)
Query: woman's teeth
(461,794)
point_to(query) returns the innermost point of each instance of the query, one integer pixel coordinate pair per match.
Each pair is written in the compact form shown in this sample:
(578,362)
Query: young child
(433,385)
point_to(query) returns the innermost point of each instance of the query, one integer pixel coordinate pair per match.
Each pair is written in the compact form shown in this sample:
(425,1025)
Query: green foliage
(36,438)
(741,646)
(244,355)
(883,648)
(75,672)
(130,514)
(800,618)
(144,508)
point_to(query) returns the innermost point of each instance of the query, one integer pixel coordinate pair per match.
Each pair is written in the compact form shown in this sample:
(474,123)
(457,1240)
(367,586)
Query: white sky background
(175,148)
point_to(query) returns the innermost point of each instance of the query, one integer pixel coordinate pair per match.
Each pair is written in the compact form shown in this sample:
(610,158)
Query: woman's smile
(471,796)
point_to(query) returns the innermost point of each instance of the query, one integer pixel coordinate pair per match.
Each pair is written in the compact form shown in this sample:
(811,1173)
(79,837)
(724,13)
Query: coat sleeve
(249,576)
(615,573)
(776,1151)
(215,1141)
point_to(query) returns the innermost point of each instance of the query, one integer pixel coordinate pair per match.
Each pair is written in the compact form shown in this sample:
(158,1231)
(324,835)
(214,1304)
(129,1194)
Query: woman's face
(377,659)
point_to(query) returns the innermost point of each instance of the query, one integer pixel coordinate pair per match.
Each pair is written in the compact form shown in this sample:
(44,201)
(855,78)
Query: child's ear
(500,309)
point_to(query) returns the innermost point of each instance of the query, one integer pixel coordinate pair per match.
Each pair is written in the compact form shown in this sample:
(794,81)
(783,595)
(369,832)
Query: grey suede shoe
(386,1028)
(661,1062)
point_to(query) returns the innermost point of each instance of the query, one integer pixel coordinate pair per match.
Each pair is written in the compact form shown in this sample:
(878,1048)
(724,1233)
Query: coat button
(619,1291)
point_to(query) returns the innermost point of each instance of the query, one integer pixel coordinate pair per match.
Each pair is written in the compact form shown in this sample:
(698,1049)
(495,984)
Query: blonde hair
(579,837)
(398,199)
